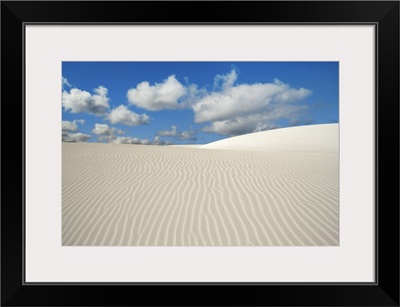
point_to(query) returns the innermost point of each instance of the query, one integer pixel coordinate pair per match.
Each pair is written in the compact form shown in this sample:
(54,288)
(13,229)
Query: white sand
(188,146)
(278,187)
(326,137)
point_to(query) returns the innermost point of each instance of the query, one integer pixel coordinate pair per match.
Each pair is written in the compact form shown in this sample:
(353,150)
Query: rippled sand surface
(278,187)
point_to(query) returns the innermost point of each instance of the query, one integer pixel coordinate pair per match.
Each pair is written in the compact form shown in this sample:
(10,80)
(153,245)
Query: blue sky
(193,102)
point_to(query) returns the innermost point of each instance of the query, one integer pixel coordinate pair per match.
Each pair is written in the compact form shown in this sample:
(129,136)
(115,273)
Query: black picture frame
(383,14)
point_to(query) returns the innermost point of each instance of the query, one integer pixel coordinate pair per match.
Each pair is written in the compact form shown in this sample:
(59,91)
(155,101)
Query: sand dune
(279,187)
(325,137)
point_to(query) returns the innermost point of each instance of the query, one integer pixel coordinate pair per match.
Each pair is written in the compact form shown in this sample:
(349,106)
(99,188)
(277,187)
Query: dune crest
(293,138)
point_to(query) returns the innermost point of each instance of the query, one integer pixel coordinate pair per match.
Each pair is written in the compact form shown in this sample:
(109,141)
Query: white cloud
(158,96)
(130,140)
(193,94)
(237,126)
(244,99)
(64,81)
(235,109)
(105,132)
(227,81)
(171,132)
(159,141)
(71,125)
(106,138)
(256,122)
(78,101)
(75,137)
(104,129)
(124,116)
(187,135)
(184,135)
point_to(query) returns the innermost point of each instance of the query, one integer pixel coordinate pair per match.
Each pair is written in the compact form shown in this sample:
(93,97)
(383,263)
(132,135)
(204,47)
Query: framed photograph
(240,153)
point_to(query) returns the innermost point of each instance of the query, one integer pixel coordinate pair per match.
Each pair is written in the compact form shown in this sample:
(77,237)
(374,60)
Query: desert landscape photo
(200,154)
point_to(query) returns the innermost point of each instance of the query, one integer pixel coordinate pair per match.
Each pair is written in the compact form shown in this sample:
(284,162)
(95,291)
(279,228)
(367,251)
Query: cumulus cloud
(124,116)
(108,134)
(193,95)
(159,96)
(78,101)
(225,82)
(106,138)
(184,135)
(130,140)
(255,122)
(240,125)
(244,99)
(105,132)
(159,141)
(75,137)
(235,109)
(104,129)
(171,132)
(71,126)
